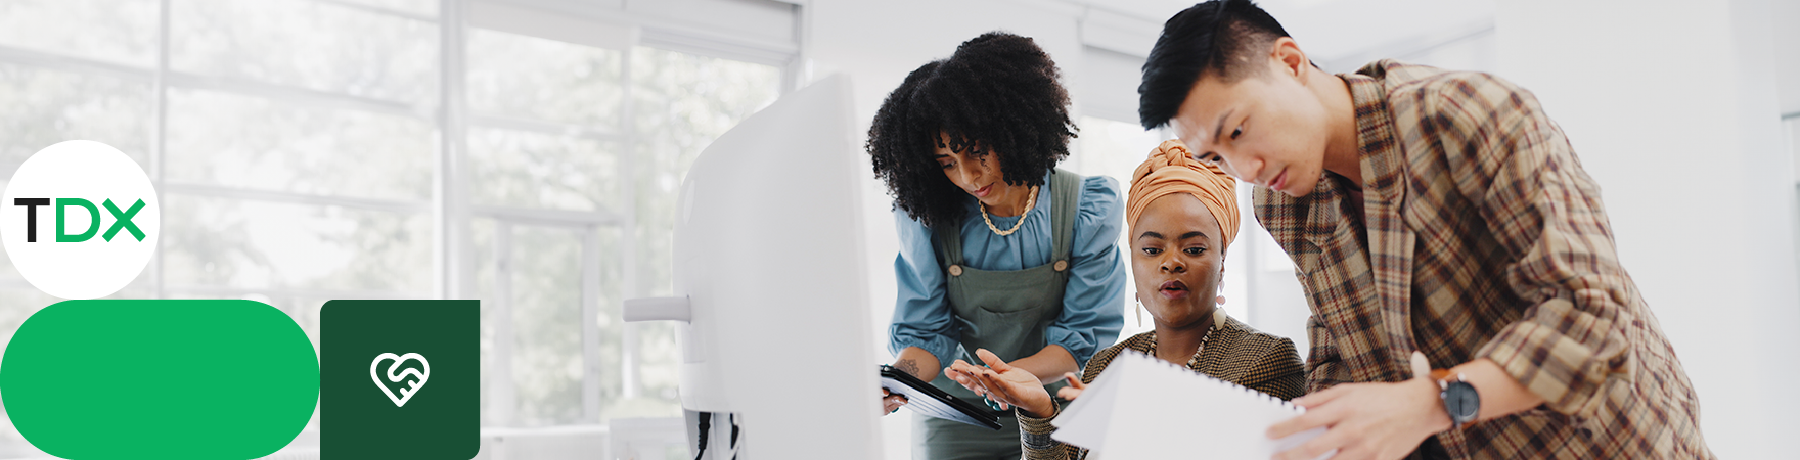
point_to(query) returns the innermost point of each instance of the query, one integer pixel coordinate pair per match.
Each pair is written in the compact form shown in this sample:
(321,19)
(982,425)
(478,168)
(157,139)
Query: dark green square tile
(358,341)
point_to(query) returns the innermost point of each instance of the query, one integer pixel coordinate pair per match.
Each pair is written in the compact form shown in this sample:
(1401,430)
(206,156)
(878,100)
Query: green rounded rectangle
(192,379)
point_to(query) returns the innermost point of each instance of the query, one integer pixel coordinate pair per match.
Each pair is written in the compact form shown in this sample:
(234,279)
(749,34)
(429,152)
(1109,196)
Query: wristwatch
(1460,399)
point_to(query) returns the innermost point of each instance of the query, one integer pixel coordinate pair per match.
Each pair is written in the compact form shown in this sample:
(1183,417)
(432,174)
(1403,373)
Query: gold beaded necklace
(1030,202)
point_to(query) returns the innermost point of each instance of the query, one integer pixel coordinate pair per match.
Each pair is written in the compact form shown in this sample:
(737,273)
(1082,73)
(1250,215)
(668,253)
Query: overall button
(1060,265)
(956,270)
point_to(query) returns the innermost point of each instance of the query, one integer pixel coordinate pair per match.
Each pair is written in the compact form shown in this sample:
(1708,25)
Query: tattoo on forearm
(909,366)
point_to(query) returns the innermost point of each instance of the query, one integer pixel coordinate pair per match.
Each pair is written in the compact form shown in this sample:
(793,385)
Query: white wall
(1672,108)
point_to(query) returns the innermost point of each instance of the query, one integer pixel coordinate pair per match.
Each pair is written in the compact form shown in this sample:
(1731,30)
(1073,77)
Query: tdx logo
(79,220)
(121,219)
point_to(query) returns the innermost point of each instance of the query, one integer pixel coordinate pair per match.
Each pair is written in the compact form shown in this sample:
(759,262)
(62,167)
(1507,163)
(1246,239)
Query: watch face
(1461,401)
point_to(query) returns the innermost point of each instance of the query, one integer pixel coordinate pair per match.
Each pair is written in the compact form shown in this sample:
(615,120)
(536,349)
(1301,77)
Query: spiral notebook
(923,398)
(1141,407)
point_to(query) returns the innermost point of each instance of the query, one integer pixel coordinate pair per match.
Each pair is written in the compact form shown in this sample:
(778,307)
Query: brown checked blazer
(1482,237)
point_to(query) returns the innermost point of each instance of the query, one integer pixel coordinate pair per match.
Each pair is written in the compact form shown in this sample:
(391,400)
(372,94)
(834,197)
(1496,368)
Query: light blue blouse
(1093,300)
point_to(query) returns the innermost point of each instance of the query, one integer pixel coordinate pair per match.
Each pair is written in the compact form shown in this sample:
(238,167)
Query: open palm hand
(1002,383)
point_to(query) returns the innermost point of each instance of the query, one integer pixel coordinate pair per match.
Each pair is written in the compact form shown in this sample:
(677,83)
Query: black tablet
(923,398)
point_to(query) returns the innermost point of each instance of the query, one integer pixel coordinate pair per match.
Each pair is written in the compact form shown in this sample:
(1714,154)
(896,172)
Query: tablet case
(923,398)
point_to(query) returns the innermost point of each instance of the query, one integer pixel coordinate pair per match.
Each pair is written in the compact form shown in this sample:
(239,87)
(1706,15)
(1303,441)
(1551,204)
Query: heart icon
(412,387)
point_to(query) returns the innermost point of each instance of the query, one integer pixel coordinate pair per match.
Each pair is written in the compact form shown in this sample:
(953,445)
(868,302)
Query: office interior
(529,153)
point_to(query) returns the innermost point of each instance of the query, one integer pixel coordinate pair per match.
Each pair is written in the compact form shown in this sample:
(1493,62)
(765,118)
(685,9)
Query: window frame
(451,210)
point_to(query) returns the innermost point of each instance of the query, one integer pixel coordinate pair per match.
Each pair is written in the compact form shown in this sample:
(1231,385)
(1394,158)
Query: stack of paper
(1141,407)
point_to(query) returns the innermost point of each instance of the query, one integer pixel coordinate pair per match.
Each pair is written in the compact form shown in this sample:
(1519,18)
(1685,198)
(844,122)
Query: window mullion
(628,235)
(159,128)
(451,207)
(500,372)
(590,326)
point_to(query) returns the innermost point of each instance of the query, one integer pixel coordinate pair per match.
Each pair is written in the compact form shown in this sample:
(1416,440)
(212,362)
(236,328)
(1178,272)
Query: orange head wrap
(1171,169)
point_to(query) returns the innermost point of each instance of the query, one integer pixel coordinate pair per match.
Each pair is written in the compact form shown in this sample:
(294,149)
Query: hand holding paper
(1378,420)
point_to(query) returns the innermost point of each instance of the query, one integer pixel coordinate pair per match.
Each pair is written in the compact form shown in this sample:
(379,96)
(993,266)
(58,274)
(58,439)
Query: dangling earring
(1140,313)
(1220,300)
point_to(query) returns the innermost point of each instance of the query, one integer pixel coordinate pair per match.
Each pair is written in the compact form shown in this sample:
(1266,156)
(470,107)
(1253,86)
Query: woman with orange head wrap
(1182,214)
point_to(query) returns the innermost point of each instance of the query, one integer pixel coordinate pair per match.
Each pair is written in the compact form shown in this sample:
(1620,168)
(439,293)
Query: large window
(305,150)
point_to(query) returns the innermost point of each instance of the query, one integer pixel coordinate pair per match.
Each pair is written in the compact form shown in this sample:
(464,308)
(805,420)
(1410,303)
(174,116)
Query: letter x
(124,220)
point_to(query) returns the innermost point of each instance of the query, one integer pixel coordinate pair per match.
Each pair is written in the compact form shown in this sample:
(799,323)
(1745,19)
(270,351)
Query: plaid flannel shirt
(1483,238)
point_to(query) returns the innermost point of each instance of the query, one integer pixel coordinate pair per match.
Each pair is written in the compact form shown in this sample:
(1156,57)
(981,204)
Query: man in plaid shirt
(1437,219)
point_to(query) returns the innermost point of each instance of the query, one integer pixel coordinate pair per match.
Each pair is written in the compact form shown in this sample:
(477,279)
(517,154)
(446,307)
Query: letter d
(93,220)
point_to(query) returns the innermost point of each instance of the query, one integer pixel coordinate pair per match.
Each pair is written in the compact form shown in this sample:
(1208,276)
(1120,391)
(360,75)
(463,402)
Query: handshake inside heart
(408,387)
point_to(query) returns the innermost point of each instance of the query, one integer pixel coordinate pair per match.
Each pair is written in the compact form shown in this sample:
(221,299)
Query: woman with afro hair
(1000,252)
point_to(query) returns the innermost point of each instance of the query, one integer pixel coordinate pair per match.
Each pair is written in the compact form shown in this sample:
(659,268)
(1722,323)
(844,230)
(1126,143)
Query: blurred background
(526,153)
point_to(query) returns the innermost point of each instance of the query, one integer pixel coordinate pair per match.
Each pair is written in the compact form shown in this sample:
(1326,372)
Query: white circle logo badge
(79,220)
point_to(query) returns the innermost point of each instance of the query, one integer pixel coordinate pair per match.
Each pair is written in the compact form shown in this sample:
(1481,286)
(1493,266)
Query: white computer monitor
(771,294)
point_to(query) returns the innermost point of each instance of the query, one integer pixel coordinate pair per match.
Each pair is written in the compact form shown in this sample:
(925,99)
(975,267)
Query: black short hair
(1214,38)
(998,93)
